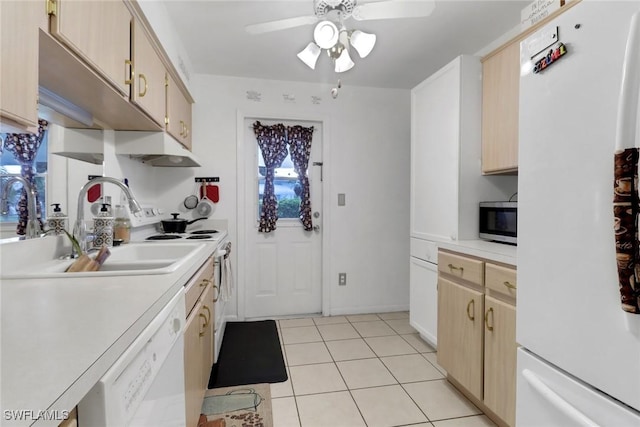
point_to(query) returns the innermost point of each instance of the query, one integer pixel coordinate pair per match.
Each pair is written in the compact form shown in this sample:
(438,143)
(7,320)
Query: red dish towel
(213,193)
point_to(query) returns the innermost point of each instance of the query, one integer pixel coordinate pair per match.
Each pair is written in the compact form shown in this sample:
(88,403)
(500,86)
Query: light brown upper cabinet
(500,98)
(148,88)
(178,113)
(19,65)
(99,33)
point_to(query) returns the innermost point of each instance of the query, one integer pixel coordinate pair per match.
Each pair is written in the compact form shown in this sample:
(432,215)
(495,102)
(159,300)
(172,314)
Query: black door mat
(250,354)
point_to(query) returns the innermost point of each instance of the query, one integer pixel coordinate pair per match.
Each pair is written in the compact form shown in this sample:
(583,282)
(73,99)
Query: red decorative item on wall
(94,193)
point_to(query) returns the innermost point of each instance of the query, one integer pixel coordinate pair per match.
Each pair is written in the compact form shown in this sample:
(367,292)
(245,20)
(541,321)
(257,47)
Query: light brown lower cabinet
(500,359)
(198,340)
(477,332)
(460,326)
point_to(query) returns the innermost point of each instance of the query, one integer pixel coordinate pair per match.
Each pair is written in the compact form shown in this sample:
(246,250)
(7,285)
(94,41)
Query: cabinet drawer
(197,284)
(501,279)
(424,249)
(461,267)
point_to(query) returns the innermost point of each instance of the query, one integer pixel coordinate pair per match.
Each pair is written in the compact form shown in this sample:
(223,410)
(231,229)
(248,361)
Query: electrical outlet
(342,279)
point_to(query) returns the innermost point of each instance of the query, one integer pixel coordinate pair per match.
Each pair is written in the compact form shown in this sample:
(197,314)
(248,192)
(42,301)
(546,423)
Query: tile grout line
(376,356)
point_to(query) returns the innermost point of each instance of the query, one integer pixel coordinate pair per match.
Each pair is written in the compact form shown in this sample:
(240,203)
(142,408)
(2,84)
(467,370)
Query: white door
(283,267)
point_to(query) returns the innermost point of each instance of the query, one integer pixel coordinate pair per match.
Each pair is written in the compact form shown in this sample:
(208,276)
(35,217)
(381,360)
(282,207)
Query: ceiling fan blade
(281,24)
(393,9)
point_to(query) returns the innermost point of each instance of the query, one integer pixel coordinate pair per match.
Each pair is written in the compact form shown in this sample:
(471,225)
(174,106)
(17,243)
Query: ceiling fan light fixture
(362,42)
(309,55)
(344,62)
(326,34)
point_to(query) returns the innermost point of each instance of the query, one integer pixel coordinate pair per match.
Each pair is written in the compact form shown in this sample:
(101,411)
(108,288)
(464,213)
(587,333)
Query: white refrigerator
(579,363)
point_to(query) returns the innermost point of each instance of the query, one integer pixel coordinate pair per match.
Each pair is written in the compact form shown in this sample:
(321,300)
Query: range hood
(80,144)
(154,148)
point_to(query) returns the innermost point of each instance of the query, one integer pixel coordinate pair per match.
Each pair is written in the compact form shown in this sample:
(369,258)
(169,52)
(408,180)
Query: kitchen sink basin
(126,260)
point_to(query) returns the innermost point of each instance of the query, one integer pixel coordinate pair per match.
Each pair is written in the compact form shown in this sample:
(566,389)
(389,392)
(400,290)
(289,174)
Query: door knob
(316,214)
(316,228)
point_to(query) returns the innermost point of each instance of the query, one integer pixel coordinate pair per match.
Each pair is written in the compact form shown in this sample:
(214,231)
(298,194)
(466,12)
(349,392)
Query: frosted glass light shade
(309,55)
(326,34)
(363,42)
(344,62)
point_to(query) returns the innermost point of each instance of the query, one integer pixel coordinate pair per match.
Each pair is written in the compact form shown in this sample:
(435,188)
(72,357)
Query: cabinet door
(460,325)
(193,349)
(19,65)
(423,299)
(99,33)
(500,359)
(435,123)
(207,335)
(148,89)
(178,114)
(500,91)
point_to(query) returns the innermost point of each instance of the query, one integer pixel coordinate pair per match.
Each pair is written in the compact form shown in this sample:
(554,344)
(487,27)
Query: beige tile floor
(365,370)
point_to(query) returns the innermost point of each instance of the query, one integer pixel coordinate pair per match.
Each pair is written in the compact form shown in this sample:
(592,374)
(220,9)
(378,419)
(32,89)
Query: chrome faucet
(80,227)
(33,229)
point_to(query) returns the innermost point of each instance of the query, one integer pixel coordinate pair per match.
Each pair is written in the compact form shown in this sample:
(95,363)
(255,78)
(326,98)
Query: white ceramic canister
(57,221)
(103,227)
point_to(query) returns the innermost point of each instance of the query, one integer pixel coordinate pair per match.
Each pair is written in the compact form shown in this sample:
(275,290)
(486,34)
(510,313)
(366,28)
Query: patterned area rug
(239,406)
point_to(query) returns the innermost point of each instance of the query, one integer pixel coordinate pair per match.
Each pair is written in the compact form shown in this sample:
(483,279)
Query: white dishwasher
(145,386)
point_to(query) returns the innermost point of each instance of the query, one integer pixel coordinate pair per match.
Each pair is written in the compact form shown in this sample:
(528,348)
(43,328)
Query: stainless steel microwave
(499,221)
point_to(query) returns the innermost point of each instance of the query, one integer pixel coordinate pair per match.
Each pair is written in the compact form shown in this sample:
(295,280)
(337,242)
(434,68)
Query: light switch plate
(342,199)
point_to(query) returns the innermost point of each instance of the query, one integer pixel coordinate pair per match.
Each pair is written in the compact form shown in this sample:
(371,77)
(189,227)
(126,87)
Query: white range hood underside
(154,148)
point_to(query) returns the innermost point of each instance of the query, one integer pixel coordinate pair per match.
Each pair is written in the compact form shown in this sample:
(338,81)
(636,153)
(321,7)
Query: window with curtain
(26,156)
(283,183)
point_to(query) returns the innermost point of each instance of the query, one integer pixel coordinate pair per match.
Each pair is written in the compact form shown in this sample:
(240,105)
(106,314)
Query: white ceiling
(407,50)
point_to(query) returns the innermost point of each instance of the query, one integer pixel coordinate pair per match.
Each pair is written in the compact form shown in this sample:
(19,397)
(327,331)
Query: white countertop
(498,252)
(60,336)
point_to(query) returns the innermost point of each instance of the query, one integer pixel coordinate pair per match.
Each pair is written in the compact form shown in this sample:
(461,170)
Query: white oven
(145,386)
(224,283)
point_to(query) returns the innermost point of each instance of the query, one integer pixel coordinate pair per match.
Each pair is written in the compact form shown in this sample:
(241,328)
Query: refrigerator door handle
(558,402)
(628,100)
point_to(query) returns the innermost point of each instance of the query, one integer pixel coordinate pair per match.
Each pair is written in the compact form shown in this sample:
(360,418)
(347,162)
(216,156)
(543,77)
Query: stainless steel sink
(126,260)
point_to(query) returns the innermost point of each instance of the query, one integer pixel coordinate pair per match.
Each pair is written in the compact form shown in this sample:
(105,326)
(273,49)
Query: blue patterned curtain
(24,147)
(272,141)
(299,139)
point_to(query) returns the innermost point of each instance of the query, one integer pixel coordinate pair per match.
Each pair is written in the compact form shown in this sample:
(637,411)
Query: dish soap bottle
(57,221)
(122,225)
(103,227)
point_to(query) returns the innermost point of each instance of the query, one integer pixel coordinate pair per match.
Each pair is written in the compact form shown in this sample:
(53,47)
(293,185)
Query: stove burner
(199,236)
(204,232)
(164,237)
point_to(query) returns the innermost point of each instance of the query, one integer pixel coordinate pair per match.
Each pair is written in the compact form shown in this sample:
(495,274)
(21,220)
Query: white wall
(367,145)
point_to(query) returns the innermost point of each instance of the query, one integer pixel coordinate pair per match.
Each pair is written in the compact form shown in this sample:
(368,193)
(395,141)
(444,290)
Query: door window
(286,185)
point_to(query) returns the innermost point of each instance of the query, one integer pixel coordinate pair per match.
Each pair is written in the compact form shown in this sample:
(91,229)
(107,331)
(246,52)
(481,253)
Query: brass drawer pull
(130,72)
(486,319)
(209,313)
(181,128)
(471,315)
(509,285)
(453,267)
(205,282)
(217,288)
(205,324)
(146,86)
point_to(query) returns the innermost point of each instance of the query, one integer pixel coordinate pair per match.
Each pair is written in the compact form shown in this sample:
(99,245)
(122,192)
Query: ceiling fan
(331,34)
